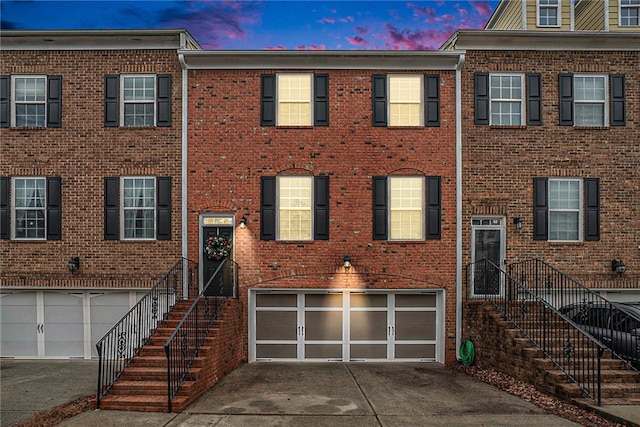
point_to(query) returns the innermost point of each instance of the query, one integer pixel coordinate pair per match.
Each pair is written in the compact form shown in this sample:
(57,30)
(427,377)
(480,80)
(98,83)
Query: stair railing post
(167,350)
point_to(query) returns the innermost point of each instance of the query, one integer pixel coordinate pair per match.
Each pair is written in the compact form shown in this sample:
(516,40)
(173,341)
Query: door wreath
(217,247)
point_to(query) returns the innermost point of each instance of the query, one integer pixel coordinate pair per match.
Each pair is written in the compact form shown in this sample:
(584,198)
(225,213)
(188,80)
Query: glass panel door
(487,245)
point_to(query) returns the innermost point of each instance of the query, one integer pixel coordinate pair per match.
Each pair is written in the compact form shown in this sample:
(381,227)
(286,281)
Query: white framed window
(295,208)
(405,100)
(29,208)
(629,13)
(590,100)
(138,95)
(138,208)
(406,208)
(565,216)
(29,100)
(548,13)
(295,95)
(506,99)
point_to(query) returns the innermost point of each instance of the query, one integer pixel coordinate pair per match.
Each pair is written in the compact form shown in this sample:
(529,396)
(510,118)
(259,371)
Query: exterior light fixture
(618,266)
(243,222)
(73,264)
(518,222)
(346,262)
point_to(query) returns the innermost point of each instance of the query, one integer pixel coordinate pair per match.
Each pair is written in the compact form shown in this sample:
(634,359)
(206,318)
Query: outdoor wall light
(73,264)
(618,267)
(346,262)
(518,222)
(243,222)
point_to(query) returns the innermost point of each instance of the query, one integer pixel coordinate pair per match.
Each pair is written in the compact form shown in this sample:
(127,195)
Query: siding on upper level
(590,16)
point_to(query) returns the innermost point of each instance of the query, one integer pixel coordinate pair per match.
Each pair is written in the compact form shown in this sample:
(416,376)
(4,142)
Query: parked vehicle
(616,325)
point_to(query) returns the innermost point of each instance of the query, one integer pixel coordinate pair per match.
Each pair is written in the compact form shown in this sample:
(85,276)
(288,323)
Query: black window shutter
(321,208)
(592,202)
(268,208)
(54,101)
(379,98)
(163,209)
(164,100)
(618,113)
(380,208)
(565,90)
(534,99)
(111,100)
(4,102)
(434,207)
(111,208)
(540,208)
(4,209)
(432,100)
(321,100)
(54,208)
(481,96)
(268,100)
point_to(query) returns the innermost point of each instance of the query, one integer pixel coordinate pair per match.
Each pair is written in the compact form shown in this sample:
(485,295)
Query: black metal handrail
(182,346)
(124,340)
(572,350)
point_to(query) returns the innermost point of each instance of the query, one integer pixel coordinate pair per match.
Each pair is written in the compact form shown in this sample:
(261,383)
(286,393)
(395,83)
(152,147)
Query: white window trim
(122,210)
(14,101)
(546,6)
(620,7)
(14,208)
(311,103)
(278,208)
(580,209)
(423,209)
(605,102)
(123,102)
(523,90)
(421,99)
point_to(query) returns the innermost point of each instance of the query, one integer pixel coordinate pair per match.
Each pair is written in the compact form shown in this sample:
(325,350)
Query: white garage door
(345,325)
(19,327)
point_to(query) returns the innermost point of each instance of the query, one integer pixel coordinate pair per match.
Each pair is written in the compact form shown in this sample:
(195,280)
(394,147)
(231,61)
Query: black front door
(209,266)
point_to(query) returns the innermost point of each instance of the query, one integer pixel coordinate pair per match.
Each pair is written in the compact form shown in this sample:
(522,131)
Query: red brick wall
(229,151)
(499,164)
(83,152)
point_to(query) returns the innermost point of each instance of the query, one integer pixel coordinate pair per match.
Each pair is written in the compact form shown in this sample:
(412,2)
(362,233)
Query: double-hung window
(500,99)
(506,96)
(137,100)
(590,97)
(406,100)
(294,99)
(30,101)
(592,100)
(548,13)
(564,209)
(139,207)
(629,13)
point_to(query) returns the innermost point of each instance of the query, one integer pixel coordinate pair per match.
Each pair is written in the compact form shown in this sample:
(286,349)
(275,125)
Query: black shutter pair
(112,208)
(268,208)
(53,212)
(541,209)
(112,100)
(268,100)
(380,207)
(618,116)
(54,101)
(482,99)
(431,100)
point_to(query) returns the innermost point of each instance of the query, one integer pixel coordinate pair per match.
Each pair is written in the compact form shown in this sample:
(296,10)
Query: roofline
(547,40)
(497,13)
(320,59)
(97,39)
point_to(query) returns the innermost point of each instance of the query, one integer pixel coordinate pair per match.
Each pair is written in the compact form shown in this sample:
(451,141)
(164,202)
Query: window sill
(565,243)
(294,242)
(406,242)
(295,127)
(591,127)
(417,127)
(507,126)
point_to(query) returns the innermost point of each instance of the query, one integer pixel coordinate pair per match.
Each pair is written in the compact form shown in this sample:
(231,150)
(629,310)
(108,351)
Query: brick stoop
(143,384)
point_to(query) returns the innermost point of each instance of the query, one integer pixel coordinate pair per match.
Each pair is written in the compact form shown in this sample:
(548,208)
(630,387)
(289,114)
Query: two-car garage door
(345,325)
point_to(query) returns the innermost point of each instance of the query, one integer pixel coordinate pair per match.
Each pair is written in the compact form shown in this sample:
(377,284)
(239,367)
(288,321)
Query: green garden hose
(466,352)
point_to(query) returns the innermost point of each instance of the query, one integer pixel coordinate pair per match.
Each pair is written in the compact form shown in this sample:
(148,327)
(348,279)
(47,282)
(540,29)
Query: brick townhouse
(333,175)
(90,181)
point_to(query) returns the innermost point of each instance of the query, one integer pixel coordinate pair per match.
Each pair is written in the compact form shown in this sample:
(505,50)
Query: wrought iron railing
(572,350)
(183,345)
(123,342)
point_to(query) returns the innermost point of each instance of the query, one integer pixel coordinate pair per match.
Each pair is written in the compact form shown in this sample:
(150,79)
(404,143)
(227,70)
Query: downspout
(183,210)
(459,202)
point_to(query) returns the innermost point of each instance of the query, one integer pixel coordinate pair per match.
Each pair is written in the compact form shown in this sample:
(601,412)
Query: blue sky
(263,25)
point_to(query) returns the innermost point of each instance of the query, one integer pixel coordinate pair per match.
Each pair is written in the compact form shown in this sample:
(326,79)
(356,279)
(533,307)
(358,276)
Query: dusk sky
(264,25)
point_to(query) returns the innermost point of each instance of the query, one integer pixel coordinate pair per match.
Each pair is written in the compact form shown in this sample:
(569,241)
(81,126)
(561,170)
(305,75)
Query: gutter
(459,224)
(183,210)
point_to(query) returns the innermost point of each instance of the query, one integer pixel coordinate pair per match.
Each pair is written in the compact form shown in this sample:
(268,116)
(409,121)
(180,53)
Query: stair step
(142,403)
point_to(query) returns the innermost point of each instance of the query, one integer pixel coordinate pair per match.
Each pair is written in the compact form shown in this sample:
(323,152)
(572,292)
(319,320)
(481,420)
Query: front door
(210,265)
(487,243)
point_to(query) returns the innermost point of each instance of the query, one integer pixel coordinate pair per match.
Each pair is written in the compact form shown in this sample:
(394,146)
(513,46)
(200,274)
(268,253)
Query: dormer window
(548,13)
(629,13)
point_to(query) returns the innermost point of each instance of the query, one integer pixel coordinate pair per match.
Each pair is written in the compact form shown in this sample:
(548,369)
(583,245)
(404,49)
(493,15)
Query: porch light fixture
(73,264)
(346,262)
(618,267)
(518,222)
(243,222)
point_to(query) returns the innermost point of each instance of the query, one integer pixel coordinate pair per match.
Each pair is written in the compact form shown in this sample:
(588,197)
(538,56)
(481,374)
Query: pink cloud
(358,41)
(312,47)
(327,20)
(427,12)
(482,8)
(414,39)
(279,47)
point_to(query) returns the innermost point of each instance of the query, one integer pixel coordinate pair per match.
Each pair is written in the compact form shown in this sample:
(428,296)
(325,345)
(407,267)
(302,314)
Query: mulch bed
(57,415)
